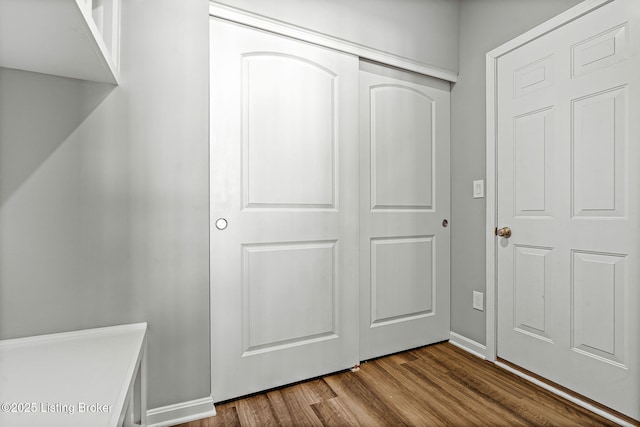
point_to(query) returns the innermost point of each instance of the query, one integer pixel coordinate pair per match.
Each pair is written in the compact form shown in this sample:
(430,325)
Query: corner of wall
(469,345)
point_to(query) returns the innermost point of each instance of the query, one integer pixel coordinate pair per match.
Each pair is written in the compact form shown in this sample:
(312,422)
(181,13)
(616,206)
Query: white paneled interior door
(404,198)
(284,210)
(568,187)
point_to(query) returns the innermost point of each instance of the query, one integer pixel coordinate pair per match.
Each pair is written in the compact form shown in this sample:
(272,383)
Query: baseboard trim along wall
(468,345)
(181,412)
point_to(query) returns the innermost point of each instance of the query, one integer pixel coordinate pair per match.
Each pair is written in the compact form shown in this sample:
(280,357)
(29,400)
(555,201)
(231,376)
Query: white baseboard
(564,395)
(181,412)
(469,345)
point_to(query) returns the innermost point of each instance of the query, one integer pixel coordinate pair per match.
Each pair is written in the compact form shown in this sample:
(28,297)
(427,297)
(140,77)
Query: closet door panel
(284,210)
(404,198)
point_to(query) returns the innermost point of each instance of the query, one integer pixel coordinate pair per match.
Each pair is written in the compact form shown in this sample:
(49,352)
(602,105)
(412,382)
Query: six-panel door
(568,162)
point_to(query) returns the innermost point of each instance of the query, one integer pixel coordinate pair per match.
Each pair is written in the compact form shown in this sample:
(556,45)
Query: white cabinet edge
(110,60)
(140,327)
(59,38)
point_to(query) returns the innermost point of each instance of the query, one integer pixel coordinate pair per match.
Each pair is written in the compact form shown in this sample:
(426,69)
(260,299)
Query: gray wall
(422,30)
(484,25)
(104,190)
(104,197)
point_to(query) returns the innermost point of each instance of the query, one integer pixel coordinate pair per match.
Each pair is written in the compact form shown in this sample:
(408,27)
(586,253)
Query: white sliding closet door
(404,199)
(284,182)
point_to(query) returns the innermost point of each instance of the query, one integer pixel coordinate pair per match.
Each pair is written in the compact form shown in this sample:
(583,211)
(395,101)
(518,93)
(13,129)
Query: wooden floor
(430,386)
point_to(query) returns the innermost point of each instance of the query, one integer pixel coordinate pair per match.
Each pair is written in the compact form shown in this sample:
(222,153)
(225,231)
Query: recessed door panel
(532,149)
(600,51)
(530,284)
(406,140)
(289,294)
(402,282)
(599,146)
(289,131)
(533,76)
(598,320)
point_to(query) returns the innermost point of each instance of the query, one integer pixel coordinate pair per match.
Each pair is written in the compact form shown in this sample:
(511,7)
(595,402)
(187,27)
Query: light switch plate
(478,189)
(478,300)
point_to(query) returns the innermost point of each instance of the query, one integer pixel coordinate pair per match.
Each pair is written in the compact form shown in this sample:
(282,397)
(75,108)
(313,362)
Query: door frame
(492,57)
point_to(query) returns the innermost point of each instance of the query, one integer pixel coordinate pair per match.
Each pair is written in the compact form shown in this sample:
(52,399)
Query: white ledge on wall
(70,38)
(251,19)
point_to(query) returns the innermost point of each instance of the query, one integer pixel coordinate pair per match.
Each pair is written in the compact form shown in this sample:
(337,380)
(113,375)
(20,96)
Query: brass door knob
(504,232)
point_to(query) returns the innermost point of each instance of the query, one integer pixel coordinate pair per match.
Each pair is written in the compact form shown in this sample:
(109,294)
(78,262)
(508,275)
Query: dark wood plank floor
(430,386)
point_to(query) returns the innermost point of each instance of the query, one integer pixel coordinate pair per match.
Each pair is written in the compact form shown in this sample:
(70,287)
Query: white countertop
(77,378)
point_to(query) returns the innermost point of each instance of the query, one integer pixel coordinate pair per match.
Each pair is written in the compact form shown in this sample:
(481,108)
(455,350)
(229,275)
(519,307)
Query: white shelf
(94,377)
(69,38)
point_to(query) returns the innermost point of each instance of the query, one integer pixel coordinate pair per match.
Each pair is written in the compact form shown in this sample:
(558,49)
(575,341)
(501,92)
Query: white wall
(484,25)
(104,197)
(422,30)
